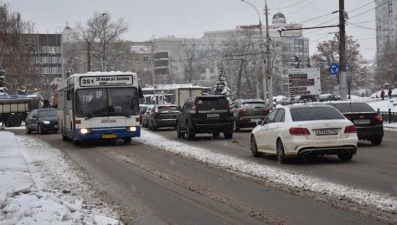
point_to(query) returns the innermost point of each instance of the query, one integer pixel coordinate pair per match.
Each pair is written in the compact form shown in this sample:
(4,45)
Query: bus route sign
(106,80)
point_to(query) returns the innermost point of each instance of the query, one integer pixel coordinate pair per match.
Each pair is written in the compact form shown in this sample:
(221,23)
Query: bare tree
(328,52)
(16,50)
(104,46)
(192,57)
(244,47)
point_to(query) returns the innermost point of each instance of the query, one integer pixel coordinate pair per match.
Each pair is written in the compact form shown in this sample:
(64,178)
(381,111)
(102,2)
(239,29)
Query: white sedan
(297,130)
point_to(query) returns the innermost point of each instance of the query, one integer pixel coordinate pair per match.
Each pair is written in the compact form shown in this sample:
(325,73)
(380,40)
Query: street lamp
(262,54)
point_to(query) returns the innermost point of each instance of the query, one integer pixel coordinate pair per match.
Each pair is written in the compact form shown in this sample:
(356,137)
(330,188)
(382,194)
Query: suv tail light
(299,131)
(242,110)
(350,129)
(266,109)
(193,110)
(378,118)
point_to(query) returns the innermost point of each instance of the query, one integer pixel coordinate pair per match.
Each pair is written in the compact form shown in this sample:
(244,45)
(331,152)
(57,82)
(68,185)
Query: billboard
(304,81)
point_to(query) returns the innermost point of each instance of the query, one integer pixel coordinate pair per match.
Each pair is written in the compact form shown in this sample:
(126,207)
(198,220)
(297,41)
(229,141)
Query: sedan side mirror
(260,122)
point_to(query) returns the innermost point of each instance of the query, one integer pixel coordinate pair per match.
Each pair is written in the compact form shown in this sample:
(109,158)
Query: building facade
(386,25)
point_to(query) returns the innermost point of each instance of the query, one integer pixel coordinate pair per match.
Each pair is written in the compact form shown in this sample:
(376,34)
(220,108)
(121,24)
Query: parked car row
(314,128)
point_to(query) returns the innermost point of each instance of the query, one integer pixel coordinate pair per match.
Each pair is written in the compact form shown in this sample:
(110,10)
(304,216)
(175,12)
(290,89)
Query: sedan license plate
(108,136)
(365,121)
(326,132)
(212,115)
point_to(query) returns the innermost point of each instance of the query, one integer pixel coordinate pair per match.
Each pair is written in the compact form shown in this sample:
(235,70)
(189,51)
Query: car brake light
(193,110)
(266,109)
(378,118)
(350,129)
(298,131)
(242,110)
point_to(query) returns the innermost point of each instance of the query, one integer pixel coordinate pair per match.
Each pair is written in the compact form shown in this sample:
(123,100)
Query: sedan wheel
(40,129)
(27,130)
(235,127)
(254,148)
(280,152)
(178,132)
(376,142)
(345,157)
(190,135)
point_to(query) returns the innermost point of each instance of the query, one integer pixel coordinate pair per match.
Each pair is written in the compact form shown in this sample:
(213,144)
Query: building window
(212,70)
(145,58)
(137,59)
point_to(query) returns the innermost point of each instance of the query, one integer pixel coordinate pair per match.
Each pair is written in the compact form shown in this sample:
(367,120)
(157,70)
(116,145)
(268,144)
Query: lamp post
(262,55)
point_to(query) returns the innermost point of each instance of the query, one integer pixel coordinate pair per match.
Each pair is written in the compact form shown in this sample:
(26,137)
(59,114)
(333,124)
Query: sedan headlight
(131,129)
(46,122)
(85,131)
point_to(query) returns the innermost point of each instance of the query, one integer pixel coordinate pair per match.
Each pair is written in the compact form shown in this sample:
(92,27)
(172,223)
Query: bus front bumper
(108,133)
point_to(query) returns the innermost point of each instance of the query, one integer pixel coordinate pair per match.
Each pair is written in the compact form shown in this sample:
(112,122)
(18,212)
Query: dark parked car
(146,115)
(42,120)
(368,122)
(163,116)
(142,110)
(328,97)
(247,112)
(210,114)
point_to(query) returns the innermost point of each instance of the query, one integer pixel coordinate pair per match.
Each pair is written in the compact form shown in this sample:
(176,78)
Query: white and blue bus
(99,105)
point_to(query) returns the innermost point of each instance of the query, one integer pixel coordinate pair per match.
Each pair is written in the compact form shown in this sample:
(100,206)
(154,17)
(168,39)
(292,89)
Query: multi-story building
(386,25)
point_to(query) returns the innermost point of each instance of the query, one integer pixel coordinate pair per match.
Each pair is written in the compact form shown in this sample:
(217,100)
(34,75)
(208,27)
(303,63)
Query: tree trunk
(240,73)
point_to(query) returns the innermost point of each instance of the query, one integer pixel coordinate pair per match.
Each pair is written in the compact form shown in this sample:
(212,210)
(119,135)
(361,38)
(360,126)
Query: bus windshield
(107,102)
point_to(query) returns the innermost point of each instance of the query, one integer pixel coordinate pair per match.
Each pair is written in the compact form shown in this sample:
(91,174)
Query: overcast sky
(188,18)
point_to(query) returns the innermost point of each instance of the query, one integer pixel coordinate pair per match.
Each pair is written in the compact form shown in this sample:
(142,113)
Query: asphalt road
(159,187)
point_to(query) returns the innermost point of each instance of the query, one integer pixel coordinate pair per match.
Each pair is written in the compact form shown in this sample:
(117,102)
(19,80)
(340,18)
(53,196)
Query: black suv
(163,116)
(368,122)
(205,114)
(247,112)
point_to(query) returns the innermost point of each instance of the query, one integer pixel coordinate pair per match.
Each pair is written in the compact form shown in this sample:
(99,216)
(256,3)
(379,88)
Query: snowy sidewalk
(26,167)
(14,173)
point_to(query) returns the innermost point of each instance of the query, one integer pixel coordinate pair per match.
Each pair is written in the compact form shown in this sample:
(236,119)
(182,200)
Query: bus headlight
(85,131)
(131,129)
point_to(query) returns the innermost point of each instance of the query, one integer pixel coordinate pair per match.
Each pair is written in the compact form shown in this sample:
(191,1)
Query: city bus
(99,106)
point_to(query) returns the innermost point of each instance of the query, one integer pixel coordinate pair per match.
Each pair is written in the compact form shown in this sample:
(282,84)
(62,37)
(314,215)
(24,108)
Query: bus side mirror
(140,94)
(68,96)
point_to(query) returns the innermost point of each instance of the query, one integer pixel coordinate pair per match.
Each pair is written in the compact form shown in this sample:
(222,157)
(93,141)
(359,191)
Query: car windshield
(355,107)
(167,108)
(253,104)
(47,113)
(107,102)
(315,113)
(212,103)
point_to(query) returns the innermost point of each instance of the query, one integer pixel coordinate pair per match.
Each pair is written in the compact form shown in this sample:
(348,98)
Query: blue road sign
(334,69)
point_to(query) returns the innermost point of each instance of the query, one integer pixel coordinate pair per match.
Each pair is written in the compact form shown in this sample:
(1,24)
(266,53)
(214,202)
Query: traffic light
(2,77)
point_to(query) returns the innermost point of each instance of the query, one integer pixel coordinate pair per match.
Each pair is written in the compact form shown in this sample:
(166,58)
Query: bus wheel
(127,140)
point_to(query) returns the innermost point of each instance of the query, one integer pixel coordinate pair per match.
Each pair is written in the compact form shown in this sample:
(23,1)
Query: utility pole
(268,77)
(342,49)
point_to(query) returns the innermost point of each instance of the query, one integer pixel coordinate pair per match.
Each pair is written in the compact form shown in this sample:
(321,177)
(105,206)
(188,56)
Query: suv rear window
(253,104)
(315,113)
(355,107)
(166,108)
(212,103)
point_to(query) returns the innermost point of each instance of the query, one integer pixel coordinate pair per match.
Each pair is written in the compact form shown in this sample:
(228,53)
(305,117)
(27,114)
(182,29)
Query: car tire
(345,157)
(189,132)
(254,148)
(376,142)
(280,152)
(216,134)
(41,131)
(235,127)
(27,130)
(179,133)
(127,140)
(228,134)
